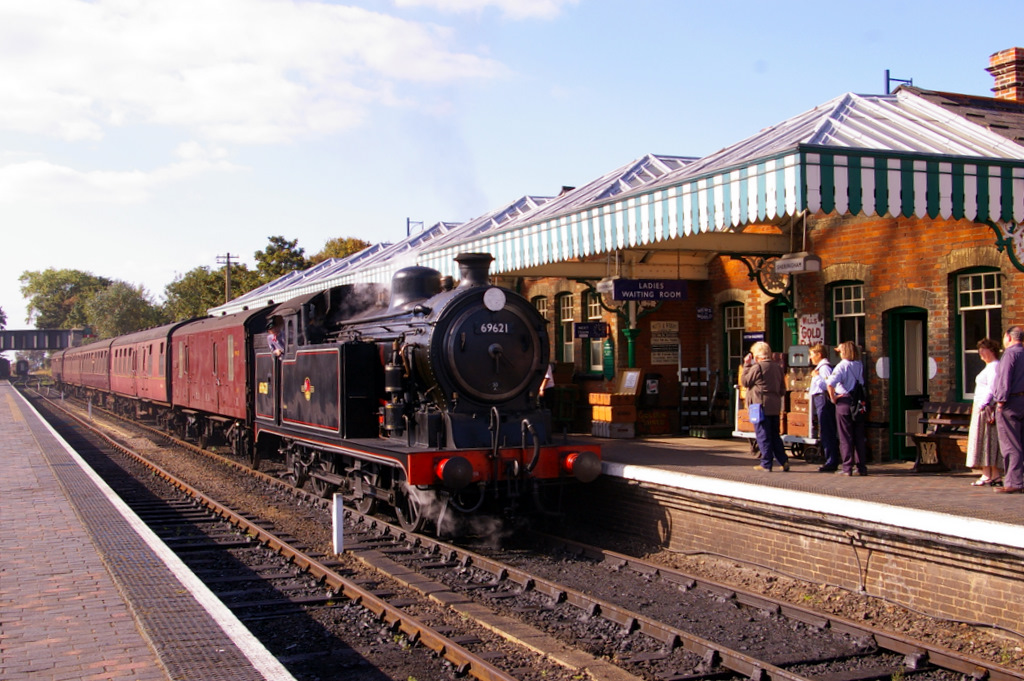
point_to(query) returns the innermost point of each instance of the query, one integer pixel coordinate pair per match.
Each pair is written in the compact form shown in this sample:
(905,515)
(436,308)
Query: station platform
(86,590)
(892,493)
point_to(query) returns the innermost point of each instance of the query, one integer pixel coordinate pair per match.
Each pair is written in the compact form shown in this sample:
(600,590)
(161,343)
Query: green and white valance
(857,183)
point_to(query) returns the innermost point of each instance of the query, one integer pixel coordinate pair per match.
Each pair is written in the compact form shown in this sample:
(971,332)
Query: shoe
(998,482)
(762,469)
(785,467)
(1008,490)
(827,469)
(843,473)
(981,482)
(862,473)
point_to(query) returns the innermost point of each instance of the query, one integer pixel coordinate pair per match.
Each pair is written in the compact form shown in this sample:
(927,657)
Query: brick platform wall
(941,576)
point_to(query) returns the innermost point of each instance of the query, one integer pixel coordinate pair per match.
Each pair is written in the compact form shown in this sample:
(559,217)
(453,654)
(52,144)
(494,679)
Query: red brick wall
(946,578)
(901,262)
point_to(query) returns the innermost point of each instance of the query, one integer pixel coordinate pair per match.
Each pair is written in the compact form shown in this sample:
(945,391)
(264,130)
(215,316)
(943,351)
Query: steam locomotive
(422,397)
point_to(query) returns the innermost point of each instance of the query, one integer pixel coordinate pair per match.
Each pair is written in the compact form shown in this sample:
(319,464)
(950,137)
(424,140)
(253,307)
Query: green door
(908,377)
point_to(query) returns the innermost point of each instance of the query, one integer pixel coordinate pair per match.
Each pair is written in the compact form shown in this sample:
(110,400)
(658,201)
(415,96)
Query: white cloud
(513,9)
(245,71)
(45,182)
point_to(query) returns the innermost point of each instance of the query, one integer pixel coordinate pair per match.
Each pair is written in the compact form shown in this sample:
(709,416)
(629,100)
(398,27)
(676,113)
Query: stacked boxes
(614,413)
(798,407)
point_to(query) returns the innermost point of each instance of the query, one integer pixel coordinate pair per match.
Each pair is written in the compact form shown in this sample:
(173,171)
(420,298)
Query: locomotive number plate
(494,328)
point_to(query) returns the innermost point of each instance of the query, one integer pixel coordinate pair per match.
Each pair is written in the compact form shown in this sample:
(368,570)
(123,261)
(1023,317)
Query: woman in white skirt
(983,442)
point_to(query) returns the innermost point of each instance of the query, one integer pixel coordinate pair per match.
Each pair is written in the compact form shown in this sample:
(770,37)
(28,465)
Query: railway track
(580,607)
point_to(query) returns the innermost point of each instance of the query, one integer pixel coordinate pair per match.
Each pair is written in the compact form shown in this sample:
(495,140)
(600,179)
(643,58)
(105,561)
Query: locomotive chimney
(410,285)
(474,268)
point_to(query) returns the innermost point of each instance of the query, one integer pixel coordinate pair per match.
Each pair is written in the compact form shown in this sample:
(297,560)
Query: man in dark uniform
(1008,393)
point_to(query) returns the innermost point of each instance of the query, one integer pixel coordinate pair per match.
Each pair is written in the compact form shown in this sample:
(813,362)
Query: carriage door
(266,382)
(908,374)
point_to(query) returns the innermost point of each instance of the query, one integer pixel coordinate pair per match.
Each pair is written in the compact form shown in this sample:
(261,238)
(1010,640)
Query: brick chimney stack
(1007,67)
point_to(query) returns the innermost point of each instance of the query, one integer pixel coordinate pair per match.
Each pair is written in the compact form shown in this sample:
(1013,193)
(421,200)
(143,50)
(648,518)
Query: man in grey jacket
(766,385)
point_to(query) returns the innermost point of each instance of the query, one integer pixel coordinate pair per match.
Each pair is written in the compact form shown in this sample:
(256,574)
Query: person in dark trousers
(828,436)
(853,438)
(1008,394)
(765,384)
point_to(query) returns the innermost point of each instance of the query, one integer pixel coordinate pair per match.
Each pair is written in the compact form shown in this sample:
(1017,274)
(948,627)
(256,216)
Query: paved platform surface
(892,492)
(83,592)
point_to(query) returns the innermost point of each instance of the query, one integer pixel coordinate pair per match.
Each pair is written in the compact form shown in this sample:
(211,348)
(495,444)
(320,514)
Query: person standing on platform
(1008,394)
(983,438)
(823,408)
(765,384)
(853,438)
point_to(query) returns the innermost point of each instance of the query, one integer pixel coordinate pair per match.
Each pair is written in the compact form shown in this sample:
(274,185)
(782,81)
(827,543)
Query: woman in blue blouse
(853,439)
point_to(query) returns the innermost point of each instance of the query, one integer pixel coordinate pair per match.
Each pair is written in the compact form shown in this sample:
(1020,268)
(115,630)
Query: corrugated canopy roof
(914,152)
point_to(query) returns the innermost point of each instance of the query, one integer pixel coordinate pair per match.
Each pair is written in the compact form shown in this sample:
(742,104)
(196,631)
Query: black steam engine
(428,404)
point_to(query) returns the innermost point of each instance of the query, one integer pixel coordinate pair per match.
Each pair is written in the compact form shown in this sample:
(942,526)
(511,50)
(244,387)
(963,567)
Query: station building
(888,220)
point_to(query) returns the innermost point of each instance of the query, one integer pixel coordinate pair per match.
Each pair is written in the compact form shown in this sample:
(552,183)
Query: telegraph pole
(226,260)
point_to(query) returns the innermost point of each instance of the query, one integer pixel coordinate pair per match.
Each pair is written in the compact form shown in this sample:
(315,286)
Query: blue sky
(141,138)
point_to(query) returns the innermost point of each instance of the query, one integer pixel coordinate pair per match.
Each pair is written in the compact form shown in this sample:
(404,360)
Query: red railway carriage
(140,365)
(56,366)
(210,380)
(88,367)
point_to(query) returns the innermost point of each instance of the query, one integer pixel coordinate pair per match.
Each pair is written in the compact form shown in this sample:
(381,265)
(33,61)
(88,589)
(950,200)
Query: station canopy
(913,153)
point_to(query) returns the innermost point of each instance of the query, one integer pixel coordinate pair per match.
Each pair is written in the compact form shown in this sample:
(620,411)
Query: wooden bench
(942,446)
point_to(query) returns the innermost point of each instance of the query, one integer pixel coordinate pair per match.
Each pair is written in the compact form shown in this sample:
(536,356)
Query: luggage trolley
(802,445)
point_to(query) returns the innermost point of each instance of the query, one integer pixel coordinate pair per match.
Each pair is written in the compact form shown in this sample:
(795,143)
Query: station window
(595,347)
(980,315)
(848,319)
(735,325)
(565,321)
(540,303)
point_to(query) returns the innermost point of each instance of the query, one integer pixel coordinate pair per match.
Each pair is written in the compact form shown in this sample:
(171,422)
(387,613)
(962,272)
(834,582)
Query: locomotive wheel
(366,504)
(409,510)
(317,486)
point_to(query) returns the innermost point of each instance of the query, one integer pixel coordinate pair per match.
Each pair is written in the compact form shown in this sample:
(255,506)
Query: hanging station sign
(648,289)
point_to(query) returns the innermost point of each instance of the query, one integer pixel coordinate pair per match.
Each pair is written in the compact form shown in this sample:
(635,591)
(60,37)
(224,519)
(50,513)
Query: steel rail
(916,652)
(465,662)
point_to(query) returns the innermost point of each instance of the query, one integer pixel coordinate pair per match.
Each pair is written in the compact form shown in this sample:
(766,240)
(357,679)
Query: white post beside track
(339,517)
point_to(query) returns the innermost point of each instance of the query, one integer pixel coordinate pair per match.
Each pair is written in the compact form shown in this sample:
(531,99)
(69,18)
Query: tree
(339,247)
(122,308)
(199,289)
(279,258)
(57,298)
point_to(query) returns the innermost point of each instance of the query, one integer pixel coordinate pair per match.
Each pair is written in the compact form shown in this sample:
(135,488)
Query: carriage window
(181,359)
(231,358)
(216,362)
(162,359)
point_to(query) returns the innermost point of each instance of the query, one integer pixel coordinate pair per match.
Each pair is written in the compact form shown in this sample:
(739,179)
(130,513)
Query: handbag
(858,402)
(755,413)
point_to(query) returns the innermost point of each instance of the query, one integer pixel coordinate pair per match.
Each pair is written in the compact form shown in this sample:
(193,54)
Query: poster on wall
(664,342)
(811,329)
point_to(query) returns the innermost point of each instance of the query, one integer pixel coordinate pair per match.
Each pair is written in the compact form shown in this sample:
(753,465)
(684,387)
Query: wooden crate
(798,424)
(614,414)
